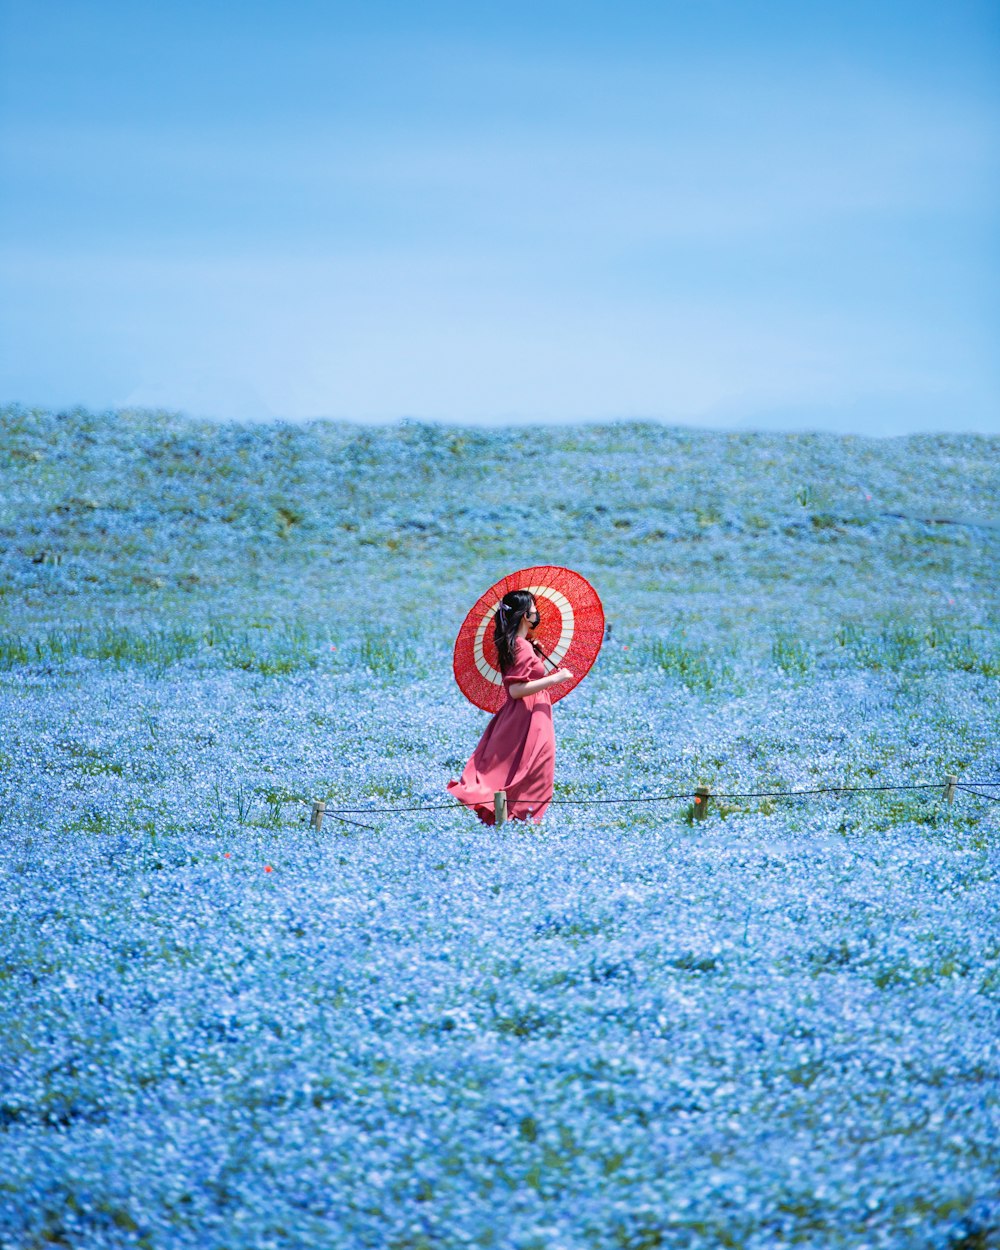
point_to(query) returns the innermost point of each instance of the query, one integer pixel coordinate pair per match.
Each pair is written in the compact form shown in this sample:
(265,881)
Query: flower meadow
(624,1027)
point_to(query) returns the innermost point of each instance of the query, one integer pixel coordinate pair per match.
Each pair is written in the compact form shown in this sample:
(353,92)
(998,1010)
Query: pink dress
(517,751)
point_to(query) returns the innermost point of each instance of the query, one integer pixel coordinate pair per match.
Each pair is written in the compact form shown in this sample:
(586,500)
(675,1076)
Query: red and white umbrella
(569,634)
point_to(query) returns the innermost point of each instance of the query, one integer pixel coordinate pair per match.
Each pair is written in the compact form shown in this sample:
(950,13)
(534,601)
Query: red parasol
(570,632)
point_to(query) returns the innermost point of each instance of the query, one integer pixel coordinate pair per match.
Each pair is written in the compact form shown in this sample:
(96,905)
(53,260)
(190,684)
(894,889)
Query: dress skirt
(517,751)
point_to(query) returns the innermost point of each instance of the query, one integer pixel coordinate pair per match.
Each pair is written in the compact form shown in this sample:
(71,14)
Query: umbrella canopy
(570,632)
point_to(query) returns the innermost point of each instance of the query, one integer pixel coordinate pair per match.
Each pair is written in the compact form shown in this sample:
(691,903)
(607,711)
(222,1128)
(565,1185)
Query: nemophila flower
(623,1029)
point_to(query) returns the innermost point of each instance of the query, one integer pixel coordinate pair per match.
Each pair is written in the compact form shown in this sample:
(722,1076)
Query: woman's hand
(564,674)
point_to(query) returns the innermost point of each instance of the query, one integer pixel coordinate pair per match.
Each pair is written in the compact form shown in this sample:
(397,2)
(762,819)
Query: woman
(517,751)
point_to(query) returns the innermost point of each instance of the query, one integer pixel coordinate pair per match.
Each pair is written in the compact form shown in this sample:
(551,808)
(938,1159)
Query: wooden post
(317,816)
(949,787)
(701,796)
(500,806)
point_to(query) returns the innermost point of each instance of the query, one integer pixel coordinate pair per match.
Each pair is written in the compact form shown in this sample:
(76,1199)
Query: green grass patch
(904,644)
(699,668)
(120,646)
(259,647)
(382,651)
(791,655)
(271,652)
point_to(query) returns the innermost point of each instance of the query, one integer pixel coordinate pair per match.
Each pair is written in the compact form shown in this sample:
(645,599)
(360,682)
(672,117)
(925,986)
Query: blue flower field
(623,1028)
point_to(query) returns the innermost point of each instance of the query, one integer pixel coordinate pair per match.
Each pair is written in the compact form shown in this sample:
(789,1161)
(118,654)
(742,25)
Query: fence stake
(500,805)
(317,816)
(949,787)
(701,796)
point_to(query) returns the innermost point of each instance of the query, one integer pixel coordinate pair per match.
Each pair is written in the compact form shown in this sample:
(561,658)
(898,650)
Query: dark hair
(516,605)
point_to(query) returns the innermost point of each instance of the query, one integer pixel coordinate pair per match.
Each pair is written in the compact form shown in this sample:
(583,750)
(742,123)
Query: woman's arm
(521,688)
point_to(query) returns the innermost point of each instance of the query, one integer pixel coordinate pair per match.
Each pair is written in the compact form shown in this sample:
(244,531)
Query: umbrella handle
(541,654)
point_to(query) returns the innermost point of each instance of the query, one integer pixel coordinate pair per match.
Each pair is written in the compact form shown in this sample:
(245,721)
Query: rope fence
(702,797)
(994,798)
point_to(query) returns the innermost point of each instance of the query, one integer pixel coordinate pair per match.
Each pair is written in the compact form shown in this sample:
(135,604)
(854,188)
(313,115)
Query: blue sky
(730,214)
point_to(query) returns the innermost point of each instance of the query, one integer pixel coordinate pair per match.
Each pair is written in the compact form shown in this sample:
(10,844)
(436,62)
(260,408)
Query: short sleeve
(523,662)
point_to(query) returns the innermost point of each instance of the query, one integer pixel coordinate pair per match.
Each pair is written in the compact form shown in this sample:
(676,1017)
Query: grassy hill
(144,519)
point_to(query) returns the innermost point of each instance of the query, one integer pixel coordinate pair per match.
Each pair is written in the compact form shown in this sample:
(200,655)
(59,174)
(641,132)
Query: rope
(652,798)
(993,798)
(337,812)
(662,798)
(767,794)
(356,823)
(373,811)
(334,816)
(757,794)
